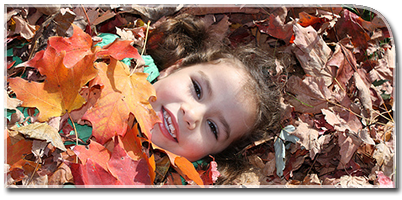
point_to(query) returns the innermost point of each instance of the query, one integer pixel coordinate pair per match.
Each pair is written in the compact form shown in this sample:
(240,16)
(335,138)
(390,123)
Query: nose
(192,115)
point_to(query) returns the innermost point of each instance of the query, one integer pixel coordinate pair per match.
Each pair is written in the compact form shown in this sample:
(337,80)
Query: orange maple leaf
(183,166)
(121,95)
(77,46)
(59,93)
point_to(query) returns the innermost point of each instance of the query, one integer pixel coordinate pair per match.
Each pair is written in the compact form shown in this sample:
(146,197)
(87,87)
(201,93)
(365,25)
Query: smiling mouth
(169,124)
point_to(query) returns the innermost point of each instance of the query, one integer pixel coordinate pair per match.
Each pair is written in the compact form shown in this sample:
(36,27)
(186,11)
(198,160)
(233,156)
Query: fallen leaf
(127,170)
(306,19)
(121,95)
(132,144)
(352,182)
(220,29)
(280,155)
(59,93)
(311,94)
(348,148)
(364,94)
(94,151)
(64,19)
(384,157)
(187,168)
(348,25)
(92,174)
(308,138)
(332,119)
(11,103)
(311,179)
(279,145)
(16,151)
(312,52)
(364,135)
(42,131)
(342,64)
(76,47)
(61,176)
(103,17)
(286,136)
(119,50)
(276,25)
(23,28)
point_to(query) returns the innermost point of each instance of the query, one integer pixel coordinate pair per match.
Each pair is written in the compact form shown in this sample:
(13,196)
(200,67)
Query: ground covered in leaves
(335,66)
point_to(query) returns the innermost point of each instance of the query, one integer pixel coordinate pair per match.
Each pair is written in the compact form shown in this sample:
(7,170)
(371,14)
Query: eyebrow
(207,82)
(221,119)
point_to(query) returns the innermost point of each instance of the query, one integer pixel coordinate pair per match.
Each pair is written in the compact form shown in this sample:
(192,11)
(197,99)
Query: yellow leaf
(42,131)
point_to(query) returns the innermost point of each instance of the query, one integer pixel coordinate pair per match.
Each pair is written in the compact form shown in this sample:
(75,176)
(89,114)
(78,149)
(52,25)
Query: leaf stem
(299,100)
(76,133)
(143,48)
(89,22)
(33,173)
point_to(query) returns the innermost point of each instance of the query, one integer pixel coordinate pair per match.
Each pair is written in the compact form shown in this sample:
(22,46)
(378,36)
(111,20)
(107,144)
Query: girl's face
(203,109)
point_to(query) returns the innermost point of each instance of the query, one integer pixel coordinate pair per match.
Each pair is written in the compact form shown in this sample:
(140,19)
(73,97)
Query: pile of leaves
(77,114)
(73,82)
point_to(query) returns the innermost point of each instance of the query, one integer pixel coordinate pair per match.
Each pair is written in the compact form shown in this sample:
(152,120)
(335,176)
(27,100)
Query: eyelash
(198,93)
(197,89)
(213,128)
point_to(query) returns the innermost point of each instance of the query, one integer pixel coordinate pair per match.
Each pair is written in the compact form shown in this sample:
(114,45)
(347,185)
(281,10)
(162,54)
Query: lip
(162,125)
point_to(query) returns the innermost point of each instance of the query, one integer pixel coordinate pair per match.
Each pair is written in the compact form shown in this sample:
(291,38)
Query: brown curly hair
(186,38)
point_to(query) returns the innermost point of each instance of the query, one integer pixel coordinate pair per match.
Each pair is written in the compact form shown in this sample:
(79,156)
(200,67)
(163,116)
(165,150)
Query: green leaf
(379,82)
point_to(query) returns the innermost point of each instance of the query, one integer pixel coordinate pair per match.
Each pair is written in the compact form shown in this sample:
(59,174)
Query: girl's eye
(197,89)
(213,128)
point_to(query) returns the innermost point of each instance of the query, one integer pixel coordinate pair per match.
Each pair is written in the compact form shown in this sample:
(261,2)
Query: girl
(212,99)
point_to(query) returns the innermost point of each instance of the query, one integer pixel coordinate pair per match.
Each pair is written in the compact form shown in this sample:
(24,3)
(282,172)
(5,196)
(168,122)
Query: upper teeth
(168,124)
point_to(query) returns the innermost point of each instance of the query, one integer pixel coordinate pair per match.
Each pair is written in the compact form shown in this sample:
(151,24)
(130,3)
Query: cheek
(169,88)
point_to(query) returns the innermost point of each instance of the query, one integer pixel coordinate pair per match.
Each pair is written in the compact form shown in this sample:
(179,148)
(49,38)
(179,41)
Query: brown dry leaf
(364,135)
(352,182)
(310,94)
(308,138)
(342,65)
(384,157)
(348,148)
(269,168)
(220,29)
(349,25)
(312,52)
(364,95)
(342,120)
(11,103)
(42,131)
(276,25)
(61,176)
(311,179)
(23,28)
